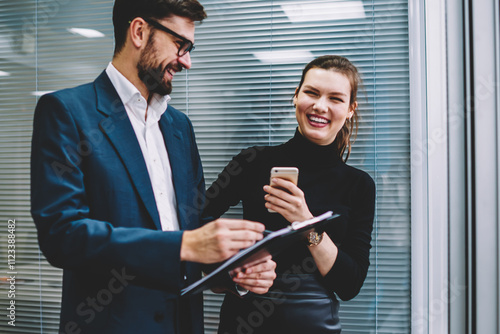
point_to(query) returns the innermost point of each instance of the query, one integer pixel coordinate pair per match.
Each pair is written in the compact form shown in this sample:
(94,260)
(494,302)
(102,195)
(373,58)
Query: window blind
(247,63)
(40,54)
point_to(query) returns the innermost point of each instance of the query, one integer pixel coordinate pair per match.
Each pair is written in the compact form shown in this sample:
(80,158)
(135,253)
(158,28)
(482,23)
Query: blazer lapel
(119,131)
(173,142)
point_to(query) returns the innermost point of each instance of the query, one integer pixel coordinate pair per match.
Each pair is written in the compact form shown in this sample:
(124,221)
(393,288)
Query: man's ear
(138,32)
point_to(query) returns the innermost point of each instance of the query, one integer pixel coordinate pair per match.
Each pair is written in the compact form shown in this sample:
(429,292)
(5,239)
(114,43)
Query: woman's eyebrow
(338,93)
(306,86)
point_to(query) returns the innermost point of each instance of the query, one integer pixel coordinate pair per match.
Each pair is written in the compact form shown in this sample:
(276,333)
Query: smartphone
(288,173)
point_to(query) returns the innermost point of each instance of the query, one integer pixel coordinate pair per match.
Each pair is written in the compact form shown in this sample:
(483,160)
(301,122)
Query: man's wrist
(186,252)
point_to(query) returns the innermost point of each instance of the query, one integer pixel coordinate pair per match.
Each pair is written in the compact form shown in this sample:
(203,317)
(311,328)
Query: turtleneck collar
(311,154)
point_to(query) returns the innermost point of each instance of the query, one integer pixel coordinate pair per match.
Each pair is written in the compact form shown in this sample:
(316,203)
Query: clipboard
(271,244)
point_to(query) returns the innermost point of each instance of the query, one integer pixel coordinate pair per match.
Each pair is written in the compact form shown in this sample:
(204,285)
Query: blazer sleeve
(68,236)
(351,266)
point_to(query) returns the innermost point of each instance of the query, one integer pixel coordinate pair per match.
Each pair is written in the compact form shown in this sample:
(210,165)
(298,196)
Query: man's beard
(153,77)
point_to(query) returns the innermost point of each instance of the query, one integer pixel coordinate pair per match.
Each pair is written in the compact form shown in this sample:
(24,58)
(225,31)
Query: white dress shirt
(144,120)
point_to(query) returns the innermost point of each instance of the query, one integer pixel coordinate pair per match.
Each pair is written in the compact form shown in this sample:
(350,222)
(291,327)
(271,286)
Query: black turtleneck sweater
(328,184)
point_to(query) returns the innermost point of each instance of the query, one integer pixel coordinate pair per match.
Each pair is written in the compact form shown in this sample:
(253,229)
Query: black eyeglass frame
(184,41)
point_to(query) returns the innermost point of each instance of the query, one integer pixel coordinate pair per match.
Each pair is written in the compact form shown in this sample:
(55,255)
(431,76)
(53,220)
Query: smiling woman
(247,64)
(325,101)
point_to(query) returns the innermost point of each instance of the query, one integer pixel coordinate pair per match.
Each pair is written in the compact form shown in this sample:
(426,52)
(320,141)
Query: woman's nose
(320,105)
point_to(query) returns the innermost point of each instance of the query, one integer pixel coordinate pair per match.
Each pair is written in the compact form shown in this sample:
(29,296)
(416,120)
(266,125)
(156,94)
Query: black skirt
(296,304)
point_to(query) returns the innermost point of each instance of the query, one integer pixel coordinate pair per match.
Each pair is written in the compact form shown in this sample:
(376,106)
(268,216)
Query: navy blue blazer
(96,217)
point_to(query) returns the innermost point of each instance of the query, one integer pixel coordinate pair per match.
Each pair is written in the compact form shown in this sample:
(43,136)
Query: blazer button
(159,317)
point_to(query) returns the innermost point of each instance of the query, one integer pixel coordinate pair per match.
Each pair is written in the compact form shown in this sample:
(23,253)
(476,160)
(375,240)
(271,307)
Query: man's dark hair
(124,11)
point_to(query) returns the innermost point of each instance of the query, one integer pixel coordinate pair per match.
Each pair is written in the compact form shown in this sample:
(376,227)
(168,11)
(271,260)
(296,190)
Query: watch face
(314,238)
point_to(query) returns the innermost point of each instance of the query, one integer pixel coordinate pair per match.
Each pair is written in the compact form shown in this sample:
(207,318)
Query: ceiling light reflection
(284,56)
(324,11)
(89,33)
(41,92)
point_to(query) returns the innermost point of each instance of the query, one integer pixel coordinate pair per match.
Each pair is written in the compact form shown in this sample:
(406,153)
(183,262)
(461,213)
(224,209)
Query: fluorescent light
(284,56)
(325,11)
(41,92)
(89,33)
(4,74)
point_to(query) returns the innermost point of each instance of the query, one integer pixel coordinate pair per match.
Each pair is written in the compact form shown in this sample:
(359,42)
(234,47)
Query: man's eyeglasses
(185,45)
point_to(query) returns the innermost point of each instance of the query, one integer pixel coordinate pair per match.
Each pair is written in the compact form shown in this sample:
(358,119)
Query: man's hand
(256,277)
(219,240)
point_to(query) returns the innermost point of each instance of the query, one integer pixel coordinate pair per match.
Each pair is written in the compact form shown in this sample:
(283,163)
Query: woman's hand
(257,276)
(291,204)
(287,199)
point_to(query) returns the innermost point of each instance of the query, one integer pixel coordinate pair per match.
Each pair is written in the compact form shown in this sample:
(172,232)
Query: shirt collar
(129,94)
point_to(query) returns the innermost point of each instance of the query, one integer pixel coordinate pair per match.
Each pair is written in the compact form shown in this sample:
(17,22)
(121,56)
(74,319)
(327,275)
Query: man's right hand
(219,240)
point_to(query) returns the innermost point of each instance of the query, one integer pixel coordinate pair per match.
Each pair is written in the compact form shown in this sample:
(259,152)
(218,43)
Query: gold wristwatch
(314,238)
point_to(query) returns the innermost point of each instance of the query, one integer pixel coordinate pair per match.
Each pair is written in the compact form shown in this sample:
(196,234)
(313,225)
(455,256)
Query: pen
(266,232)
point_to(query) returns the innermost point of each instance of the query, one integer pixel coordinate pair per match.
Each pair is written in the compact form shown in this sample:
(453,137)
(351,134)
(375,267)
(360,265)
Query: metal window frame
(455,70)
(437,183)
(482,92)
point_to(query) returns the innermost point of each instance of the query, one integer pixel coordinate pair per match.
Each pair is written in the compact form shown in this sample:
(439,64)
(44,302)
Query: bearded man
(117,181)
